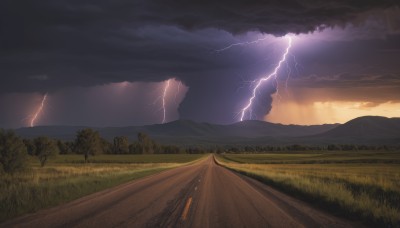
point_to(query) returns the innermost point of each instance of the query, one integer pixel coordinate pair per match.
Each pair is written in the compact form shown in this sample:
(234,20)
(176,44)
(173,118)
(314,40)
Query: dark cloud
(272,17)
(41,77)
(348,80)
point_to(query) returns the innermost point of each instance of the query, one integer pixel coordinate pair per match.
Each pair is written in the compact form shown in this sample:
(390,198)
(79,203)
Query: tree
(333,147)
(121,145)
(13,153)
(64,147)
(145,143)
(156,148)
(171,149)
(45,148)
(30,146)
(88,142)
(135,148)
(106,146)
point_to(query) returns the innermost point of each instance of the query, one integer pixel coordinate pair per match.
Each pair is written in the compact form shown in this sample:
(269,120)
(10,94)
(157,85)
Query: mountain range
(361,130)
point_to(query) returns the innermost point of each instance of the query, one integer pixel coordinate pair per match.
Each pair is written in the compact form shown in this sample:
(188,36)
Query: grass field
(364,186)
(66,178)
(316,157)
(129,158)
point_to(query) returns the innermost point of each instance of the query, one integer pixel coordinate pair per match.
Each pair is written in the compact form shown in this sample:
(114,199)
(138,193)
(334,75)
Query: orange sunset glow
(322,108)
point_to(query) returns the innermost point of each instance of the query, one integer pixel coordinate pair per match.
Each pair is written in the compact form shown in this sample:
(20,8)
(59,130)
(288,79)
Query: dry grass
(60,181)
(370,192)
(319,157)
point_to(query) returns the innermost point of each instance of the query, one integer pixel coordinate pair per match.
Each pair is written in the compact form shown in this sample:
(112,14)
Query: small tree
(88,142)
(70,147)
(64,147)
(106,146)
(135,148)
(171,149)
(13,153)
(30,146)
(121,145)
(146,144)
(45,148)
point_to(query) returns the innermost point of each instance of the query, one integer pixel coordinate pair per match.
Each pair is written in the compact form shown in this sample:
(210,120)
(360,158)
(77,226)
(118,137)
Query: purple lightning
(241,44)
(38,111)
(163,99)
(177,91)
(266,78)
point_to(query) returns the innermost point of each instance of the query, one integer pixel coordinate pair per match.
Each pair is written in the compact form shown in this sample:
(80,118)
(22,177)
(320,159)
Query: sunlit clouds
(319,107)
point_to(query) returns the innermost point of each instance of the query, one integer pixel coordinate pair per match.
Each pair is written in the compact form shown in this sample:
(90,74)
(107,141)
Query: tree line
(15,151)
(303,148)
(88,142)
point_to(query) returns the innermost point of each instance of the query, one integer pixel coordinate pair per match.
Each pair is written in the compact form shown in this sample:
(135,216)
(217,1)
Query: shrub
(13,152)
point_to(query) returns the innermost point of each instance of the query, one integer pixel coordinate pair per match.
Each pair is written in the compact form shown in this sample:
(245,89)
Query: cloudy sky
(136,62)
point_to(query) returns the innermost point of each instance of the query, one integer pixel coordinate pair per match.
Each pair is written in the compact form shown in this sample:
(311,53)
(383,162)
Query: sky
(138,62)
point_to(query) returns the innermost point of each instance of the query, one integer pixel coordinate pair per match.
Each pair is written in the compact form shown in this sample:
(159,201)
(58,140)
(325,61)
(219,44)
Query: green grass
(66,178)
(316,157)
(366,191)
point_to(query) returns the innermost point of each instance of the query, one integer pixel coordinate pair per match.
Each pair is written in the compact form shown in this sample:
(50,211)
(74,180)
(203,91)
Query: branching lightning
(290,71)
(38,111)
(177,92)
(163,99)
(166,91)
(247,108)
(241,44)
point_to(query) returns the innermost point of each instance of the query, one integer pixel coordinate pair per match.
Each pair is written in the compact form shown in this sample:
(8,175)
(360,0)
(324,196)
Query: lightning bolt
(289,70)
(240,44)
(177,92)
(38,111)
(247,108)
(163,99)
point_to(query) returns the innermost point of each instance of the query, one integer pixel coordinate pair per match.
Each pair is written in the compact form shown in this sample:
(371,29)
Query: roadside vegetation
(43,172)
(320,157)
(352,180)
(361,186)
(67,178)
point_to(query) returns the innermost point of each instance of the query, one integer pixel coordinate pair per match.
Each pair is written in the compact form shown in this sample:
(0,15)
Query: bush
(13,152)
(45,148)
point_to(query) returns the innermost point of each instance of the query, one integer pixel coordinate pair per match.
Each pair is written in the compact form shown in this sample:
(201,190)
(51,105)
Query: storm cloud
(47,46)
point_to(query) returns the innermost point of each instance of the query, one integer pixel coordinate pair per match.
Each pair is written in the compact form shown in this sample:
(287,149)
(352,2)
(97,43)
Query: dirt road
(200,195)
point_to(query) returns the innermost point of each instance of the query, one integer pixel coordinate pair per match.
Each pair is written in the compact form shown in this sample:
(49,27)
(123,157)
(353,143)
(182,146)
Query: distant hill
(367,127)
(185,128)
(254,128)
(367,130)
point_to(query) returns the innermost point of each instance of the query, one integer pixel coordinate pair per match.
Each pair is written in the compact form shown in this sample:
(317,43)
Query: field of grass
(316,157)
(363,190)
(66,178)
